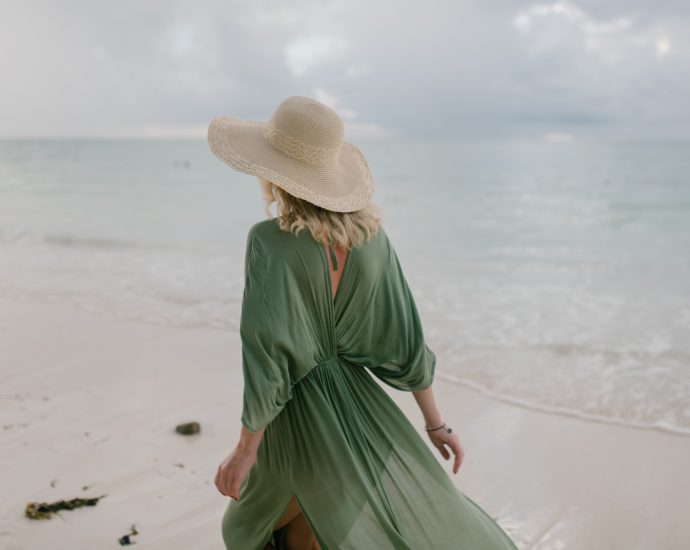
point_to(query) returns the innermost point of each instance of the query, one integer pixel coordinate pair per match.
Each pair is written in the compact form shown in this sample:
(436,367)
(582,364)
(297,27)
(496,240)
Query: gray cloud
(452,68)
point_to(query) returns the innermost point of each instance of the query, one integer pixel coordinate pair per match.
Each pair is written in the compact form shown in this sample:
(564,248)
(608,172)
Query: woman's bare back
(341,255)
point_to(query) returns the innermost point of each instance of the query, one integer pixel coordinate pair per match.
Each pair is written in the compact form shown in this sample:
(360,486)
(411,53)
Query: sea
(555,276)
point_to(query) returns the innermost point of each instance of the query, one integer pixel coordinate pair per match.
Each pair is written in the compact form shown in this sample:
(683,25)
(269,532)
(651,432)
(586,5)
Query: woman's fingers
(217,481)
(459,454)
(222,482)
(228,483)
(444,452)
(234,490)
(232,471)
(453,442)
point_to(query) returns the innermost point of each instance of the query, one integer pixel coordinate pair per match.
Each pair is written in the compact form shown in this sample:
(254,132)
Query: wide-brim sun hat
(301,149)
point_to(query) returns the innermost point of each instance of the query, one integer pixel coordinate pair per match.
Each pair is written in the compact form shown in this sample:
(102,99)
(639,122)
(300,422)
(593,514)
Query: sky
(559,71)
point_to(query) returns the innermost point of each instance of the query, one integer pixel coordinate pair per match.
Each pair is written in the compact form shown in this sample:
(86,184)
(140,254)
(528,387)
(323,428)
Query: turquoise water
(556,276)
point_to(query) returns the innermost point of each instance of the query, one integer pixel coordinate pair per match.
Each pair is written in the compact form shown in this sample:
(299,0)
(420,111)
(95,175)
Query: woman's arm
(249,441)
(427,404)
(232,471)
(440,438)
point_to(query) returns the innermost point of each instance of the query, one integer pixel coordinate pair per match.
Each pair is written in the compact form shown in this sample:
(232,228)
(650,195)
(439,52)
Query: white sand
(89,401)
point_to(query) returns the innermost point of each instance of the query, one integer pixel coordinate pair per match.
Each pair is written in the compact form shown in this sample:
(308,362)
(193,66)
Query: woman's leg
(298,535)
(291,512)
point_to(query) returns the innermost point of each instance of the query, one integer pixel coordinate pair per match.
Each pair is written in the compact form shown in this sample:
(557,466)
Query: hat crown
(306,130)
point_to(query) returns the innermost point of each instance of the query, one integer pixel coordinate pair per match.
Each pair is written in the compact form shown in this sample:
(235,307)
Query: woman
(326,459)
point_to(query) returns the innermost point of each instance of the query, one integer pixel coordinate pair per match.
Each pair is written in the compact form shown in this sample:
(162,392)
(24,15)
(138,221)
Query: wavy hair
(347,229)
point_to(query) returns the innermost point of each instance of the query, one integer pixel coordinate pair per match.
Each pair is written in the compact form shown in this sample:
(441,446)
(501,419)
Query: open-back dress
(361,473)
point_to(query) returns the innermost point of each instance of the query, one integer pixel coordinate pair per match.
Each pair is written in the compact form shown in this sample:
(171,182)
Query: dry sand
(90,401)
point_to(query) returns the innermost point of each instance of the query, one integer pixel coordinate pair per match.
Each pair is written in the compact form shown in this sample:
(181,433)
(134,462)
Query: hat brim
(344,185)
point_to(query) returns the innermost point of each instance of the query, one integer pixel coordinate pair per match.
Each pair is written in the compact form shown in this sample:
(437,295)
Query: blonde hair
(347,229)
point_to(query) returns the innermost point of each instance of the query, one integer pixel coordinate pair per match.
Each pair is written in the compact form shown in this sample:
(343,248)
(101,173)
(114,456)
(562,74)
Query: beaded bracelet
(426,428)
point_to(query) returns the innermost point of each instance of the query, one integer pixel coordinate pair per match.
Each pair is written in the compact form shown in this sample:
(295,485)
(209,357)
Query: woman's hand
(233,470)
(441,438)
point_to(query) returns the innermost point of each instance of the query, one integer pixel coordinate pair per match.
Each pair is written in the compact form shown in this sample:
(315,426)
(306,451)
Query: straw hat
(300,149)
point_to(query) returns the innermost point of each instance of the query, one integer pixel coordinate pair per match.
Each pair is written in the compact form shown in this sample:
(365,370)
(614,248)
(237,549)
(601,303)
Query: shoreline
(570,413)
(94,401)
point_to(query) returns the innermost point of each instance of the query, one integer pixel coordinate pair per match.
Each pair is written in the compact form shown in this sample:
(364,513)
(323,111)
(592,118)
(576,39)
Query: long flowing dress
(361,473)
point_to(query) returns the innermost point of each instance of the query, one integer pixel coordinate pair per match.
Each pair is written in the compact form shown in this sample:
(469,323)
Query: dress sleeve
(404,361)
(265,365)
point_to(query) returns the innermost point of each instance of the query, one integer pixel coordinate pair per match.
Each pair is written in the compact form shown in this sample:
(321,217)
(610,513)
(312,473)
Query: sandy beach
(89,407)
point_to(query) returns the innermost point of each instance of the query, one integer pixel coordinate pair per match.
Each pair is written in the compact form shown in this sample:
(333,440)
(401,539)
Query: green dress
(361,473)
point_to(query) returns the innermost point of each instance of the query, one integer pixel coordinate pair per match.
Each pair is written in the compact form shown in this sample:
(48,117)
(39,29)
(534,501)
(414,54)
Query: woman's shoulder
(264,228)
(267,233)
(268,237)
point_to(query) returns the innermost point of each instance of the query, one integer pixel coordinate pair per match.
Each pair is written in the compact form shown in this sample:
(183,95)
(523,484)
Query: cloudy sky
(459,68)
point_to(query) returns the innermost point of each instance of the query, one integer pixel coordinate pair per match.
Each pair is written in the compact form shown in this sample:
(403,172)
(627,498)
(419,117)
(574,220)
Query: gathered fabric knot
(328,361)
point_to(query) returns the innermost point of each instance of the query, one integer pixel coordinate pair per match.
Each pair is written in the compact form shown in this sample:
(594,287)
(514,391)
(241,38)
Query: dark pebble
(188,428)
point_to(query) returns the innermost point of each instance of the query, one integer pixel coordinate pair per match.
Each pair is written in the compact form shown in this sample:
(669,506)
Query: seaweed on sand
(44,510)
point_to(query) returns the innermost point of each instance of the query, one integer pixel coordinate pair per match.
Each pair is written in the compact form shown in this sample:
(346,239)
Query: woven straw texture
(301,149)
